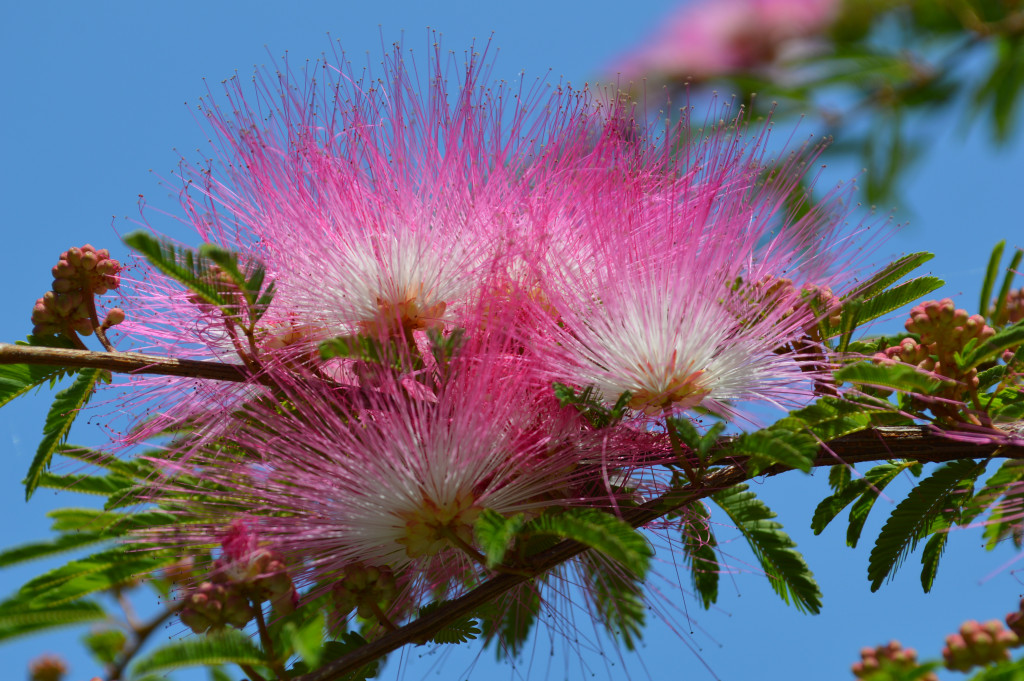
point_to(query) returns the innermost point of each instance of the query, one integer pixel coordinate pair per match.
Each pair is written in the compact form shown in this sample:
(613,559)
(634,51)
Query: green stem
(677,447)
(268,643)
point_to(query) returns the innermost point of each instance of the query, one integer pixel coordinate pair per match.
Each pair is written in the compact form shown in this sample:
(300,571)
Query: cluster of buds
(1013,308)
(978,644)
(943,331)
(212,606)
(80,274)
(827,306)
(366,589)
(244,576)
(888,657)
(47,668)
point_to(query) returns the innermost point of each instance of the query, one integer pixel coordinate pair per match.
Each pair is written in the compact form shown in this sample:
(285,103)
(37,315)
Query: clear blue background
(94,99)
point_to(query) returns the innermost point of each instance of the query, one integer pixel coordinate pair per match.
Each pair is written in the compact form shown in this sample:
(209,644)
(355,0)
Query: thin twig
(122,362)
(918,443)
(140,635)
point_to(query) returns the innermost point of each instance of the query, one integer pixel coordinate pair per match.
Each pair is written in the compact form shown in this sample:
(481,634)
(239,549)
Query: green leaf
(600,531)
(62,414)
(877,479)
(693,438)
(1009,670)
(930,559)
(1004,290)
(181,264)
(102,485)
(460,631)
(18,379)
(785,568)
(508,621)
(495,533)
(590,404)
(105,644)
(114,524)
(1009,337)
(830,418)
(699,545)
(618,598)
(890,274)
(19,617)
(898,376)
(776,445)
(905,527)
(99,572)
(36,550)
(348,642)
(866,487)
(355,347)
(991,274)
(307,639)
(229,646)
(895,298)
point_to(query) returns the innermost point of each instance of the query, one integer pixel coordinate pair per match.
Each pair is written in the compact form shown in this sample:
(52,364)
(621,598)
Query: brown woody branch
(920,443)
(121,362)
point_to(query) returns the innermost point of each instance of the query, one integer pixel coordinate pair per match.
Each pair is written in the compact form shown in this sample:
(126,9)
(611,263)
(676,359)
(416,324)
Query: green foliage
(459,631)
(345,644)
(229,646)
(913,518)
(699,443)
(306,638)
(1004,290)
(829,418)
(599,531)
(699,545)
(19,616)
(43,549)
(495,534)
(1009,337)
(864,490)
(214,275)
(1012,670)
(63,411)
(930,559)
(105,644)
(588,403)
(102,485)
(18,379)
(354,347)
(776,445)
(898,376)
(889,274)
(509,620)
(617,597)
(991,273)
(785,568)
(99,572)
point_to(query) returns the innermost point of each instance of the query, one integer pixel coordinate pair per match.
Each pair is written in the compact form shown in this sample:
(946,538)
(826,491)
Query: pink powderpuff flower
(718,37)
(683,294)
(387,491)
(379,205)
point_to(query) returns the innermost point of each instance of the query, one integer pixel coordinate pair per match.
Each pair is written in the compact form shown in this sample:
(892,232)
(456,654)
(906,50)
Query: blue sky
(94,105)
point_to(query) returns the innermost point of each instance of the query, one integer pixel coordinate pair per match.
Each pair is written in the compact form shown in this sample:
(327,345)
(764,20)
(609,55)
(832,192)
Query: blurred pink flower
(717,37)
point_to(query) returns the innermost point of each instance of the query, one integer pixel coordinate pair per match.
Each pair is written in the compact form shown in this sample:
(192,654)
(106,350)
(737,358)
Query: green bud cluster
(212,606)
(978,644)
(892,656)
(365,589)
(47,668)
(80,274)
(261,577)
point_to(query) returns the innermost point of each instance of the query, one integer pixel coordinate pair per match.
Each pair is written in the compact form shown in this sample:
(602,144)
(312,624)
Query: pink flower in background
(716,37)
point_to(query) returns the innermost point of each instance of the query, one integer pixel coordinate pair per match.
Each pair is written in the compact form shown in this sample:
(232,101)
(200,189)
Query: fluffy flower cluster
(460,249)
(719,37)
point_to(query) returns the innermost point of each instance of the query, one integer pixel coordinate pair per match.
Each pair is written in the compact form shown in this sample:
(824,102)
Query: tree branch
(913,442)
(122,362)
